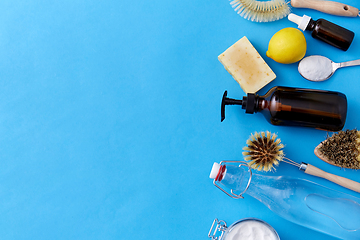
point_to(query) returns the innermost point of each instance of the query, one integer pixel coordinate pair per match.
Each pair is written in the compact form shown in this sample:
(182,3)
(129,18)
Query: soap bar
(246,66)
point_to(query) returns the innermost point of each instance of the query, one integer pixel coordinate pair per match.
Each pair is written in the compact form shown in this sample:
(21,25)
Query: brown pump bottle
(287,106)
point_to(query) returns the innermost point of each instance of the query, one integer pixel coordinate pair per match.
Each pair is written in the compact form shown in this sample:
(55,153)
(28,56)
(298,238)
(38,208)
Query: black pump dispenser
(287,106)
(248,103)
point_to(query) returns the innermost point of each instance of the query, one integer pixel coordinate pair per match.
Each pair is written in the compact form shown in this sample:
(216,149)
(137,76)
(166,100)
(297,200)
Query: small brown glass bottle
(325,110)
(325,31)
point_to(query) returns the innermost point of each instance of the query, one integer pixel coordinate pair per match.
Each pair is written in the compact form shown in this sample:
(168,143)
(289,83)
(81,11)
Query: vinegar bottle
(297,200)
(325,31)
(325,110)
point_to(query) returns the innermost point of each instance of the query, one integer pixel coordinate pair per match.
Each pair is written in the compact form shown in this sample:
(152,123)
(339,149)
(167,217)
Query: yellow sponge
(246,66)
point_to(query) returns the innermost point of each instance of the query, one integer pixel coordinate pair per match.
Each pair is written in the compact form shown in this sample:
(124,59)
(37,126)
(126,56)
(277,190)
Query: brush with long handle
(264,150)
(330,7)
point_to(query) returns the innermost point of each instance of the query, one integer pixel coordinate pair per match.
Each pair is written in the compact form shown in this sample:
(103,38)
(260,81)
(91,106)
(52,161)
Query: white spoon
(319,68)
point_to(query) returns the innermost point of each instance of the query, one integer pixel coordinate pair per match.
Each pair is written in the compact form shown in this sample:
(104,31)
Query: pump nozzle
(228,101)
(248,103)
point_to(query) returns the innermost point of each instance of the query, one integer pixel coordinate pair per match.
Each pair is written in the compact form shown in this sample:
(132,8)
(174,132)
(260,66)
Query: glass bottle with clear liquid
(297,200)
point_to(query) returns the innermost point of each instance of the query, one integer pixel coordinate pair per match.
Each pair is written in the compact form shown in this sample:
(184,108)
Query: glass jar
(247,228)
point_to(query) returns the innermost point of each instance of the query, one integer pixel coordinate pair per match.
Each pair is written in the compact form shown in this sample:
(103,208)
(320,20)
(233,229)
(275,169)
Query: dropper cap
(302,22)
(248,103)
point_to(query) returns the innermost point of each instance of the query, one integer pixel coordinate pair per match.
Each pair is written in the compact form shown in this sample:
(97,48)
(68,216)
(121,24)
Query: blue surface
(110,117)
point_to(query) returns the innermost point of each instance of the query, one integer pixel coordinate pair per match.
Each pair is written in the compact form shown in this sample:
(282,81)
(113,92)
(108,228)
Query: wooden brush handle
(347,183)
(330,7)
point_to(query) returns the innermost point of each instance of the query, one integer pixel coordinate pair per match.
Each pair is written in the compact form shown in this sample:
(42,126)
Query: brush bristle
(263,151)
(261,11)
(343,148)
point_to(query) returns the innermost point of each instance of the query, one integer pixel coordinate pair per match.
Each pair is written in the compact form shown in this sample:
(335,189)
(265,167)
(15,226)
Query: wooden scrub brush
(330,7)
(261,11)
(264,151)
(342,149)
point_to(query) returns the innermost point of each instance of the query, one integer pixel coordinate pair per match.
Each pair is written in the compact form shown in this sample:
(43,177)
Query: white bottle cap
(302,22)
(215,170)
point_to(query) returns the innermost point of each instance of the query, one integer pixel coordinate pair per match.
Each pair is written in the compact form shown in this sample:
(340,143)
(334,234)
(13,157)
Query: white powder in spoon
(251,230)
(315,68)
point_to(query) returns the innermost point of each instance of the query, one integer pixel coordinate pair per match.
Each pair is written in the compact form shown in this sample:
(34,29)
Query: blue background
(110,117)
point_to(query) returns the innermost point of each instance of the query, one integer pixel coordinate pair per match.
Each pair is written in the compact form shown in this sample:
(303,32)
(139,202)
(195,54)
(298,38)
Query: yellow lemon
(287,46)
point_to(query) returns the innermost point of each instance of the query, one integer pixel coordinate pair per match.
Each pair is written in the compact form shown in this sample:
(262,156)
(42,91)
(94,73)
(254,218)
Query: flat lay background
(110,117)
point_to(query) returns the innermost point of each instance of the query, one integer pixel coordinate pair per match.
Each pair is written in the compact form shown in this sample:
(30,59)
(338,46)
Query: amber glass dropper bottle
(325,31)
(287,106)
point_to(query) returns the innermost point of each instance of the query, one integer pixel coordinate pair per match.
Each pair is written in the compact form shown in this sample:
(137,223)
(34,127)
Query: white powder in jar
(315,68)
(251,230)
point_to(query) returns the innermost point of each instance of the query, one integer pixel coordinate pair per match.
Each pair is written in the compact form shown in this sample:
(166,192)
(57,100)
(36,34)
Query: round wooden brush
(264,150)
(342,149)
